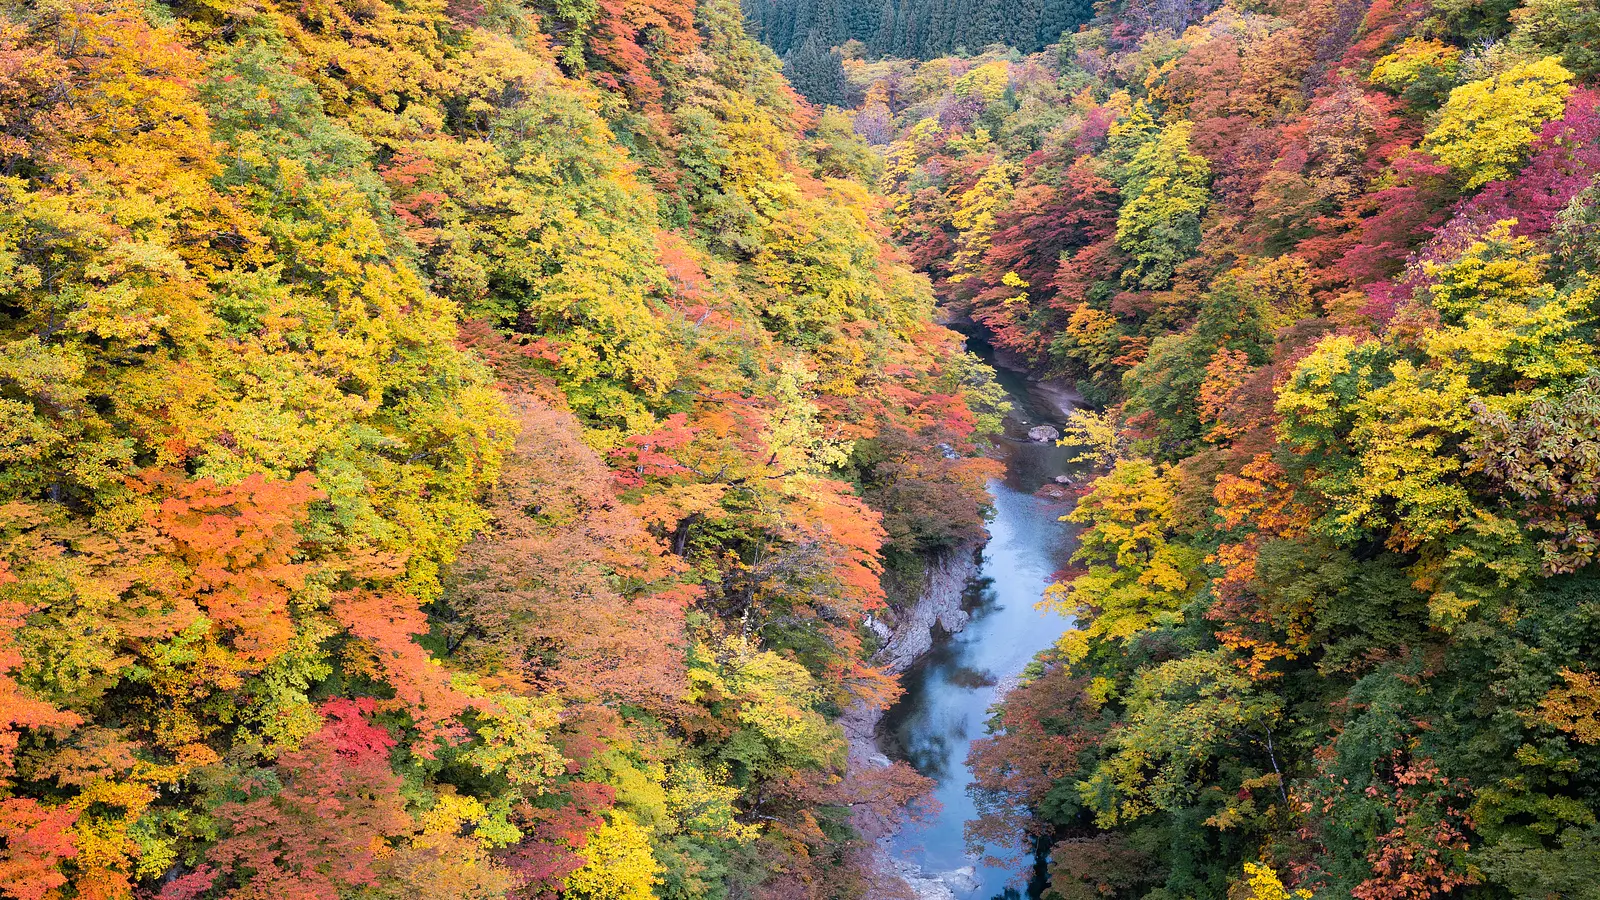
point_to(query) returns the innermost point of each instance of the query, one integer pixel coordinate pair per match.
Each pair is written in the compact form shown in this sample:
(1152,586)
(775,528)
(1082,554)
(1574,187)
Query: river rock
(936,885)
(951,885)
(1063,479)
(925,888)
(1042,433)
(963,880)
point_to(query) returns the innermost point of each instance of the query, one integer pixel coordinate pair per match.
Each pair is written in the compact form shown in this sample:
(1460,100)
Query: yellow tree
(1137,574)
(1487,126)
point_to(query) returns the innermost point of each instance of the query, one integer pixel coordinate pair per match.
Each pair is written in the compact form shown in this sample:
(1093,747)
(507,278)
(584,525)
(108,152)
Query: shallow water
(948,693)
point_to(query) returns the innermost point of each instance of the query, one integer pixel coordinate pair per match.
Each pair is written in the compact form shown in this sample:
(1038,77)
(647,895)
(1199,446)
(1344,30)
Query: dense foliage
(447,450)
(1329,266)
(803,31)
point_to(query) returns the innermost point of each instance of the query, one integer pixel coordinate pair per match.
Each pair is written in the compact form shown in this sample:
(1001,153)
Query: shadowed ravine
(949,692)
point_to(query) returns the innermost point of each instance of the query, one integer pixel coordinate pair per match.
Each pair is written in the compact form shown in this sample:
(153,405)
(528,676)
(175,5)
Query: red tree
(310,827)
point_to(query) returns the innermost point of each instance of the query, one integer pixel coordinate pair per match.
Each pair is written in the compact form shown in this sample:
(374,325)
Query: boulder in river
(1063,479)
(963,880)
(1043,433)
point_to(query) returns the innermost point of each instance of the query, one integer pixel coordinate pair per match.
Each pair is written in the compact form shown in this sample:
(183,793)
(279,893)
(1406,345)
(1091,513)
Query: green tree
(1183,721)
(817,73)
(1166,188)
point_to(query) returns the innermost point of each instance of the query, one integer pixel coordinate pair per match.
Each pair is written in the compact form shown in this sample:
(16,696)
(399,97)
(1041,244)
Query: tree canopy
(1325,269)
(446,451)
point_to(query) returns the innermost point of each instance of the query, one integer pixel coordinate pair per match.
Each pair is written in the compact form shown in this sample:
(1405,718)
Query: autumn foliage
(1329,270)
(446,451)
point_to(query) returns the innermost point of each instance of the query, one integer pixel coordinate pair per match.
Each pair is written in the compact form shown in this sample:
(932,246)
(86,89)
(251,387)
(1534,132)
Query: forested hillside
(448,450)
(1328,268)
(913,28)
(457,449)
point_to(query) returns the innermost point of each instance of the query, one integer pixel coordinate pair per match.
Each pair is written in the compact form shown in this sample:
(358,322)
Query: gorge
(984,628)
(510,449)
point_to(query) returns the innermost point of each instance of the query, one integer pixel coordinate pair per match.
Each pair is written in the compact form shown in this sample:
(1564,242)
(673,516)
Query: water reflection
(949,692)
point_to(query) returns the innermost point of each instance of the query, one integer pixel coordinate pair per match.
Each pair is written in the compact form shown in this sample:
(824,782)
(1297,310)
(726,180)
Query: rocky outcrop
(1051,492)
(939,605)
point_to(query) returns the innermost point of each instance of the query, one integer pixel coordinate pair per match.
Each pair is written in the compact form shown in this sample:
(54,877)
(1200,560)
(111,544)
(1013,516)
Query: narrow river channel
(949,692)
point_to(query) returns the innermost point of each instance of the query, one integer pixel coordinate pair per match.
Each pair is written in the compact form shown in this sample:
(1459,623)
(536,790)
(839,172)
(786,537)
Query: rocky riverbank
(1039,405)
(938,608)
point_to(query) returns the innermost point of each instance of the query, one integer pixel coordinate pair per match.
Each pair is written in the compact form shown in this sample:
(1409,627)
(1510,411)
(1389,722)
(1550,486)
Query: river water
(949,692)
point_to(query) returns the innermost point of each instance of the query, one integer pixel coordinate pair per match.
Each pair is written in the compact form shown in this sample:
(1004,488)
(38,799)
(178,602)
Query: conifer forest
(583,449)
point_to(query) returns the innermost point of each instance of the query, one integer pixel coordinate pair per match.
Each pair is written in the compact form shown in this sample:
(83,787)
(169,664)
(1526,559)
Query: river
(949,692)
